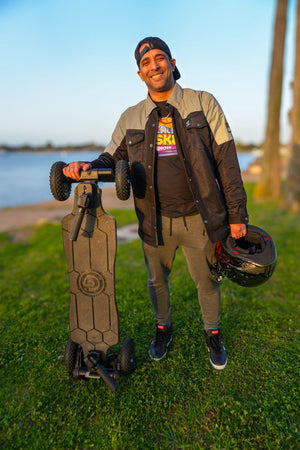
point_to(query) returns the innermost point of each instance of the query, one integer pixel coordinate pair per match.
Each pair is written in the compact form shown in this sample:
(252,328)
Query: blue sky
(67,69)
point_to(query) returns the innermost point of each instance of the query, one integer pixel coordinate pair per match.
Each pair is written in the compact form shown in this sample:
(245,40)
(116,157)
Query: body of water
(24,176)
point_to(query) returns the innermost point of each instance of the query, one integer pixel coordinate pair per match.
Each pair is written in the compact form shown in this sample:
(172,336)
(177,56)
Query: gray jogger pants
(189,234)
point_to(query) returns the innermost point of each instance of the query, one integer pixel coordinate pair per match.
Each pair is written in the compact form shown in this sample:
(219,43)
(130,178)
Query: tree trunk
(269,184)
(293,181)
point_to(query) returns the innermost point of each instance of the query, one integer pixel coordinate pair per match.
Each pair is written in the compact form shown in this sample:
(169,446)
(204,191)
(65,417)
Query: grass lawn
(179,402)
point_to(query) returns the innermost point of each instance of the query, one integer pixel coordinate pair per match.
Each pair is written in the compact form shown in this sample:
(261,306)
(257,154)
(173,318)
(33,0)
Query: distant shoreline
(241,148)
(50,149)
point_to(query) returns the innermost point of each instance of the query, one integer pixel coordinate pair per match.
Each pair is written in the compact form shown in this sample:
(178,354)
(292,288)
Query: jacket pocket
(195,121)
(198,136)
(135,141)
(197,130)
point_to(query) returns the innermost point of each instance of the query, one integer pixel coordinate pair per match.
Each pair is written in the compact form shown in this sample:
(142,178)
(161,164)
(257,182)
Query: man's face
(156,70)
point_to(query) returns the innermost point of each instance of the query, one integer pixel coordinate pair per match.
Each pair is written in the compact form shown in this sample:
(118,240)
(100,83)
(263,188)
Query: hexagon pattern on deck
(93,315)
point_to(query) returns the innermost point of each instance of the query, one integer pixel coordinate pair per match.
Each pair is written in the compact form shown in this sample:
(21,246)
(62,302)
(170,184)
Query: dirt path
(52,211)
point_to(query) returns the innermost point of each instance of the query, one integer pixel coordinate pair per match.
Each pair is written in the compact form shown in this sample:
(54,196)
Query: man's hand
(73,169)
(238,230)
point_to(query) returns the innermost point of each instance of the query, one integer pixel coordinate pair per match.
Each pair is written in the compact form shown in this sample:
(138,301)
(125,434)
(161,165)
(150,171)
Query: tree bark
(269,184)
(293,180)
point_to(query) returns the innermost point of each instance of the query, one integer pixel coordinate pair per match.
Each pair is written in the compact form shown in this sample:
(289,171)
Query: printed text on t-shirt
(165,139)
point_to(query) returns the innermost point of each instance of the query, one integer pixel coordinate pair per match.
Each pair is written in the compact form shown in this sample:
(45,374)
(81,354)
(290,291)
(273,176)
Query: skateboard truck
(83,203)
(89,238)
(97,370)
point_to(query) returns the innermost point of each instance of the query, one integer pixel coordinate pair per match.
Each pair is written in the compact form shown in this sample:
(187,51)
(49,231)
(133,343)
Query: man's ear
(173,63)
(140,75)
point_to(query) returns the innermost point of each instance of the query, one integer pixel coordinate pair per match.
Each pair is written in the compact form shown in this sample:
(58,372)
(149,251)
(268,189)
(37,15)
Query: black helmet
(249,261)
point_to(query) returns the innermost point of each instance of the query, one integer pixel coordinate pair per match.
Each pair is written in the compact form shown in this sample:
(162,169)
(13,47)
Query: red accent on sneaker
(214,331)
(160,327)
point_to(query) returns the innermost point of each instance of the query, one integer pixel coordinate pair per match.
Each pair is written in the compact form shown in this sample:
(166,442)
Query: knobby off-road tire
(122,180)
(71,352)
(60,185)
(126,356)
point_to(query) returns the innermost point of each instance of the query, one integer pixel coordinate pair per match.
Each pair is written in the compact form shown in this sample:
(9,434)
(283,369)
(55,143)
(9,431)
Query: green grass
(179,402)
(123,217)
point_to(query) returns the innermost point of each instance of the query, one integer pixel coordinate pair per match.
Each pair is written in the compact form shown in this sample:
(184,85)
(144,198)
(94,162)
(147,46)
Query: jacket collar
(176,96)
(175,99)
(150,105)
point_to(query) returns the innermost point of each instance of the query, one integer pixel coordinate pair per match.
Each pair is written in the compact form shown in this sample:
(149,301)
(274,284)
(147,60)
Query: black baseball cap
(153,42)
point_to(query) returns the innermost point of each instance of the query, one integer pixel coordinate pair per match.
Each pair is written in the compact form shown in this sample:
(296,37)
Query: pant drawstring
(185,224)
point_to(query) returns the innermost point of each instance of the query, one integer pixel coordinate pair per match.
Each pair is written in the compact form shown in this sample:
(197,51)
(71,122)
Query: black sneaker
(159,345)
(217,353)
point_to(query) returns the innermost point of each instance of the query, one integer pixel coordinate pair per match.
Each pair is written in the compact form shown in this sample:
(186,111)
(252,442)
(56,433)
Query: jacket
(206,149)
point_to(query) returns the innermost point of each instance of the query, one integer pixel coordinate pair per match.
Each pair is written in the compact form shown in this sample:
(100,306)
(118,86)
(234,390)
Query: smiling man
(156,70)
(186,183)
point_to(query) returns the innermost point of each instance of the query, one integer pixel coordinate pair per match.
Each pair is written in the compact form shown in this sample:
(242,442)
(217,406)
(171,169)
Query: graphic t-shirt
(174,197)
(165,139)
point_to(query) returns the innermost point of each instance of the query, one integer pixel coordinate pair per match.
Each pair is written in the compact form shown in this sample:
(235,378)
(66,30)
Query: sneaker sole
(218,367)
(214,365)
(158,359)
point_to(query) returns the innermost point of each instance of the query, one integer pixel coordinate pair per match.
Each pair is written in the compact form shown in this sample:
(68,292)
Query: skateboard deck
(93,315)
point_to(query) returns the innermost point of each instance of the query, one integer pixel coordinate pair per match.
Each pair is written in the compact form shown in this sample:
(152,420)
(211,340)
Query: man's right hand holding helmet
(74,169)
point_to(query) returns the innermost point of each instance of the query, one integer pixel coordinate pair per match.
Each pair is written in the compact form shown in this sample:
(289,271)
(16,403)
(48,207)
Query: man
(186,183)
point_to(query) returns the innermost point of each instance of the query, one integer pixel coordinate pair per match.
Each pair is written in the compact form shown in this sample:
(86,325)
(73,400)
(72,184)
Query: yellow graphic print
(165,140)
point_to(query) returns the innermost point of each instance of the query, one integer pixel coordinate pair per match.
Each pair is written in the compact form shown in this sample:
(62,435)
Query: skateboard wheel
(71,352)
(122,180)
(126,356)
(60,185)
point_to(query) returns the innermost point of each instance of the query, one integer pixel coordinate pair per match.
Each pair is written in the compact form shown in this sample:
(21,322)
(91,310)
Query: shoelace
(161,336)
(215,343)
